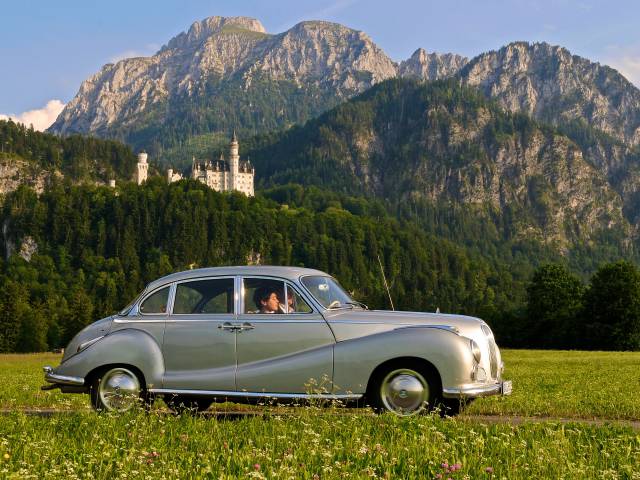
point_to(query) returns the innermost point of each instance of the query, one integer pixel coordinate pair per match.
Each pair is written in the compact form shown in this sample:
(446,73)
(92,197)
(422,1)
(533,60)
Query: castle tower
(170,175)
(234,162)
(195,168)
(143,167)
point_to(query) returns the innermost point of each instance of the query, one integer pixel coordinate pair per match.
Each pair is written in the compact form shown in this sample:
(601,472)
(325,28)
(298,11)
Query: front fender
(356,359)
(127,346)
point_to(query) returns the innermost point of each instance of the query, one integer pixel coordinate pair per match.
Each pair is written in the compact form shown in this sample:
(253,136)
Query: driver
(266,299)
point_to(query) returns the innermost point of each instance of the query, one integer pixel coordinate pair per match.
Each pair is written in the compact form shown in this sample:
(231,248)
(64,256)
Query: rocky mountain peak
(202,30)
(431,66)
(330,54)
(330,59)
(551,84)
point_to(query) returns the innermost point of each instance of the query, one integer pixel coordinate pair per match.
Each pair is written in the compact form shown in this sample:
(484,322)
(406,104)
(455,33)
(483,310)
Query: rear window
(156,302)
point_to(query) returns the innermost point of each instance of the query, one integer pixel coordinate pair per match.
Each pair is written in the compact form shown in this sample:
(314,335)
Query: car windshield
(125,311)
(328,292)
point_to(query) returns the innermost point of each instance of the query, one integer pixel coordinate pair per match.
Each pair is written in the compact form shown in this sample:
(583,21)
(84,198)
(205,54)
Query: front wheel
(117,389)
(404,391)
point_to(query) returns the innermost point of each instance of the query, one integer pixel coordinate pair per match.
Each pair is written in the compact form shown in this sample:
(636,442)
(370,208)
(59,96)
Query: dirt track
(237,414)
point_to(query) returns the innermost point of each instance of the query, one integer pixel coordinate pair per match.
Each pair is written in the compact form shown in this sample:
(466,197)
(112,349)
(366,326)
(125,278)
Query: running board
(239,394)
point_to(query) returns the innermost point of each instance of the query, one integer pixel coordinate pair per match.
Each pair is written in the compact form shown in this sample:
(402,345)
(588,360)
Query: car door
(289,350)
(199,341)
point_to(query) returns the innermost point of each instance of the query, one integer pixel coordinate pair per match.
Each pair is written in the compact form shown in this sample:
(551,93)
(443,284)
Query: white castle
(221,175)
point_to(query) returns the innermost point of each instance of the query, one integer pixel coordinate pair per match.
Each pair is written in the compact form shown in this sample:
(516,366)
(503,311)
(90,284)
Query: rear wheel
(117,389)
(404,391)
(185,403)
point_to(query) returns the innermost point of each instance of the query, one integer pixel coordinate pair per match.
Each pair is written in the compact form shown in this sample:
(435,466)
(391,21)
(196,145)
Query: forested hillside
(436,149)
(76,157)
(97,247)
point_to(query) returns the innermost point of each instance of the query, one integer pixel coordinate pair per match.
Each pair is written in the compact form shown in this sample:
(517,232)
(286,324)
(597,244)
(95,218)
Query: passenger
(266,299)
(291,306)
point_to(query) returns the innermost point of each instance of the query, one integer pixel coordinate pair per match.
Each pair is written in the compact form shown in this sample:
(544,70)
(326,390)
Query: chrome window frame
(287,283)
(200,279)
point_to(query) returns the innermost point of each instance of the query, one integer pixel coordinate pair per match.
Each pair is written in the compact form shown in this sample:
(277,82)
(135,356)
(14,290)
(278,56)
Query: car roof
(289,273)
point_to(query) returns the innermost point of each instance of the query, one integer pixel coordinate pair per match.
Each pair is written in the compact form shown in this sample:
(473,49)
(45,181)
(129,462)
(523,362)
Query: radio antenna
(384,278)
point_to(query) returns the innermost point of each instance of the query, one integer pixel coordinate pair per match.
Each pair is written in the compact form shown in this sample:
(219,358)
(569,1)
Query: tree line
(563,312)
(78,253)
(97,247)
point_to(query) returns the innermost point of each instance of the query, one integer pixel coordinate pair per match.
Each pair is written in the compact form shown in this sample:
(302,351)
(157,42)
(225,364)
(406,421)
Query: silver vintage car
(282,333)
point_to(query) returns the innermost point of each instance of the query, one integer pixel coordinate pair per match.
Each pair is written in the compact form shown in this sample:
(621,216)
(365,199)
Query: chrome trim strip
(202,319)
(448,328)
(88,343)
(51,377)
(473,392)
(253,318)
(238,394)
(138,320)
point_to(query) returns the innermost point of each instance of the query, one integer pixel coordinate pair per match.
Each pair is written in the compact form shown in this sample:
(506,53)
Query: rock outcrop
(431,66)
(15,172)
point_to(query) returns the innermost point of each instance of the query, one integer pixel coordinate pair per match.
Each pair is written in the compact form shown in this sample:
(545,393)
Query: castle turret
(143,167)
(195,167)
(234,161)
(170,175)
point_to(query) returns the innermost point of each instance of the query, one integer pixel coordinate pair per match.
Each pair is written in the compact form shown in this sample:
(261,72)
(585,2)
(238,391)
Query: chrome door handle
(246,326)
(229,326)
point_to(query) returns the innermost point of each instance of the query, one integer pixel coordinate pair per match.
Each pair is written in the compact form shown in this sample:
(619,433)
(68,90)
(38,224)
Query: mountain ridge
(405,141)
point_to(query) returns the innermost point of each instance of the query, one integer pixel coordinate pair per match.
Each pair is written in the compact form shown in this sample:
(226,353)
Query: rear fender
(123,347)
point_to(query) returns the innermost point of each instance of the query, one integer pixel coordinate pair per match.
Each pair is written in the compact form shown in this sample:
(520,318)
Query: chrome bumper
(51,377)
(500,388)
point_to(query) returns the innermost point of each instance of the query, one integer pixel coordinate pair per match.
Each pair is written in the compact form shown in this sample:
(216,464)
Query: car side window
(209,296)
(156,302)
(263,295)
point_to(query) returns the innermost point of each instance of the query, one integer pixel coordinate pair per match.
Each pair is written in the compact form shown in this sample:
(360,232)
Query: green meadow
(334,442)
(569,384)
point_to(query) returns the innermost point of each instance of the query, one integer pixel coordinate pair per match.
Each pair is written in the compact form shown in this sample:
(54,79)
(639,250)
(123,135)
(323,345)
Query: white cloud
(41,118)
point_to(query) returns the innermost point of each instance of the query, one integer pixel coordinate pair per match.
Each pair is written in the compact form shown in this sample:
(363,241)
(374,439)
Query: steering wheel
(334,304)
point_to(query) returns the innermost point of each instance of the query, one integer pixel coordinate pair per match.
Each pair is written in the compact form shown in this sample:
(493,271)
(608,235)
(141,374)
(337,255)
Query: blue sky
(48,48)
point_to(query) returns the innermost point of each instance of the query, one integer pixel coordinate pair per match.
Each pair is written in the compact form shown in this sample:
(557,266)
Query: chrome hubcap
(404,392)
(119,389)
